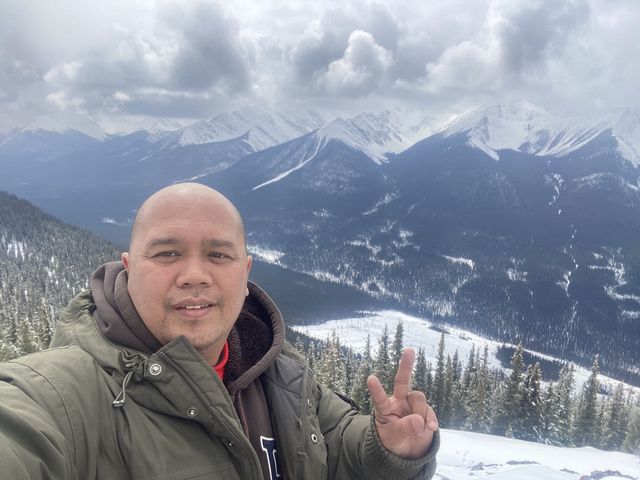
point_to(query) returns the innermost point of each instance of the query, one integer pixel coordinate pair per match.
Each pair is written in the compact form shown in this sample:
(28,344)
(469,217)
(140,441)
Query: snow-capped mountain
(377,134)
(262,128)
(528,248)
(529,129)
(63,124)
(625,125)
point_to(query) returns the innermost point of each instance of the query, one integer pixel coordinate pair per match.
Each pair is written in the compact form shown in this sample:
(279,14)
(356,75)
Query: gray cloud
(512,45)
(192,59)
(180,57)
(323,41)
(208,49)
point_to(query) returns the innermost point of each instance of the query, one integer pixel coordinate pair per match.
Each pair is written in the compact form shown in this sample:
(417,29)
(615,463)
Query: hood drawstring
(131,364)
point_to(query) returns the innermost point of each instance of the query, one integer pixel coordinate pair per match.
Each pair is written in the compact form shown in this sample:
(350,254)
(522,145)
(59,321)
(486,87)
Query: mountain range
(505,220)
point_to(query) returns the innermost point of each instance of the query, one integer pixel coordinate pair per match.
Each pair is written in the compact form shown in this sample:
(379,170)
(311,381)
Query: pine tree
(616,420)
(43,326)
(565,409)
(470,370)
(311,355)
(439,380)
(381,365)
(360,391)
(550,407)
(508,417)
(397,347)
(477,408)
(27,342)
(446,406)
(420,374)
(586,423)
(12,335)
(330,367)
(531,405)
(458,411)
(457,367)
(429,377)
(631,442)
(6,352)
(598,441)
(350,369)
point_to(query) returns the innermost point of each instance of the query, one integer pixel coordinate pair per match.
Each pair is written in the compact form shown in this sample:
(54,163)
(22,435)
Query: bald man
(174,366)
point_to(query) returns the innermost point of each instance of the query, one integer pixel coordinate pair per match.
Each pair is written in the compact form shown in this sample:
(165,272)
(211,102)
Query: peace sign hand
(404,421)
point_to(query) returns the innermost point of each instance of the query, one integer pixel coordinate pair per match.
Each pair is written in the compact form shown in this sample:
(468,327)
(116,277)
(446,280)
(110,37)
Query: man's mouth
(188,309)
(195,307)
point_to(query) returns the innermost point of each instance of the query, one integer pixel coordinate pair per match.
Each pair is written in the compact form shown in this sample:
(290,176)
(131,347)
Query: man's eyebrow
(214,242)
(162,241)
(170,241)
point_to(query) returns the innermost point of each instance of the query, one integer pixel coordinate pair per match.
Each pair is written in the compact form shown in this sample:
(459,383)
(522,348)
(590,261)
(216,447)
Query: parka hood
(255,339)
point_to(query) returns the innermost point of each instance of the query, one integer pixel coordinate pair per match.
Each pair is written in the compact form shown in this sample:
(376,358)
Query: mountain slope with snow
(529,129)
(263,128)
(376,134)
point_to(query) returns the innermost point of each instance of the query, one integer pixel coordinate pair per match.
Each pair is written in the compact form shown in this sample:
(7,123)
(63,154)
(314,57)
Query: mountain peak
(528,128)
(377,134)
(265,128)
(496,126)
(66,124)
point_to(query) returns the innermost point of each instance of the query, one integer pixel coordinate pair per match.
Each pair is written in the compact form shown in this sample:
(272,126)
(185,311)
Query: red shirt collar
(224,357)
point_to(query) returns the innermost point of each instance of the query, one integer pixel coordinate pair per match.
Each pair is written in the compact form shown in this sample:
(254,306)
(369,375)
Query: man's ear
(125,260)
(249,264)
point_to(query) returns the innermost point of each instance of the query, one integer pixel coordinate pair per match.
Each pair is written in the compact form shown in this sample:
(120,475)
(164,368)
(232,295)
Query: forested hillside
(467,394)
(44,263)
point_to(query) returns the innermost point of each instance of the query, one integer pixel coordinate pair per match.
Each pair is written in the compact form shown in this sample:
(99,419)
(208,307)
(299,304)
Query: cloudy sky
(112,59)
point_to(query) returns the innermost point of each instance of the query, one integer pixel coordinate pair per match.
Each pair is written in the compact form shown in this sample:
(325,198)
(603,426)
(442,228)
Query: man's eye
(218,255)
(166,254)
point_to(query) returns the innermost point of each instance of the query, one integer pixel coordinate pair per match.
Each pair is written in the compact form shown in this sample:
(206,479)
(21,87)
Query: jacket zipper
(205,401)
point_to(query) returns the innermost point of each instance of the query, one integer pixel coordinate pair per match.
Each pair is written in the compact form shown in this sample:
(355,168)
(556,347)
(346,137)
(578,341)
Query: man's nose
(194,272)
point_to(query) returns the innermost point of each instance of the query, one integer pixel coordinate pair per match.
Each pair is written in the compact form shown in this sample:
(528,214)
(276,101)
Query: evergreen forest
(467,394)
(43,264)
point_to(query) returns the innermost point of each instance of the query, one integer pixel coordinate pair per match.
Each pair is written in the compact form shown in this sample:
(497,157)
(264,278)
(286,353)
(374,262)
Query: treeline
(470,395)
(43,264)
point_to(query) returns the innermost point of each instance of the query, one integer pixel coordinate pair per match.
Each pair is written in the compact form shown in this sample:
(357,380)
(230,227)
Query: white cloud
(361,68)
(192,59)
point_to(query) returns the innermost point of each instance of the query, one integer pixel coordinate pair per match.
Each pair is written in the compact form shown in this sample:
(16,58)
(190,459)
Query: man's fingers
(378,395)
(432,420)
(418,403)
(403,376)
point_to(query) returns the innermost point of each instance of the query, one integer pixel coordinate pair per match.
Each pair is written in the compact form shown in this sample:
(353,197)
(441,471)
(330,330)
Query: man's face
(188,272)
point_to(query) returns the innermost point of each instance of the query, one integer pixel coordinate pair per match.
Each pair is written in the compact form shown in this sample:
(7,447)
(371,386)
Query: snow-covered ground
(465,455)
(418,332)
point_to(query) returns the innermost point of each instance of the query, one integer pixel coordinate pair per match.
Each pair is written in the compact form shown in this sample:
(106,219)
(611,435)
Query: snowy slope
(465,455)
(419,333)
(376,134)
(264,128)
(66,124)
(625,123)
(530,129)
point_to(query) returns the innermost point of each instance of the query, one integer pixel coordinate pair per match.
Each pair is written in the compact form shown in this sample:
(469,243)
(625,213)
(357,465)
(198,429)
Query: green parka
(177,421)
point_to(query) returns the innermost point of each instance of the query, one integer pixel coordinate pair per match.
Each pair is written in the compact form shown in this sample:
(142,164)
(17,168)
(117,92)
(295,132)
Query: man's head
(188,266)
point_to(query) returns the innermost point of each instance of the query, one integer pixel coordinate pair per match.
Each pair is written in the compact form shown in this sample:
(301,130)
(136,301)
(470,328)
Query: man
(174,366)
